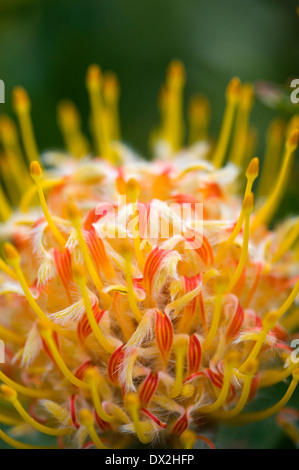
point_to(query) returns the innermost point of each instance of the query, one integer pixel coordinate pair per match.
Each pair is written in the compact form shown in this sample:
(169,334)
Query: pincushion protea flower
(116,341)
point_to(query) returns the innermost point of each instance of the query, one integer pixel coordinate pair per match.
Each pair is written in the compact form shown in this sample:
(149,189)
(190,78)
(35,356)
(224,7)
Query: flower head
(142,301)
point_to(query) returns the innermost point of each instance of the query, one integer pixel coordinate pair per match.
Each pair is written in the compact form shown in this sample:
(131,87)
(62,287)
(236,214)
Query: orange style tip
(270,320)
(11,253)
(188,391)
(199,105)
(253,168)
(7,392)
(67,112)
(294,122)
(90,374)
(251,367)
(35,169)
(85,417)
(78,272)
(111,86)
(292,142)
(7,127)
(189,436)
(277,128)
(233,89)
(133,188)
(132,401)
(181,342)
(21,100)
(73,211)
(162,96)
(94,76)
(296,375)
(176,72)
(232,358)
(248,203)
(247,94)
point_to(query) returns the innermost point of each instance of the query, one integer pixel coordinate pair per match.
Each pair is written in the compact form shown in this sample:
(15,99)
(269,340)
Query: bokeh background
(47,45)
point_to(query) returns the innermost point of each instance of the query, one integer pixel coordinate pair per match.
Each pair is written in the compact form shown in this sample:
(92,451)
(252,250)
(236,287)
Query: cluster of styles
(126,341)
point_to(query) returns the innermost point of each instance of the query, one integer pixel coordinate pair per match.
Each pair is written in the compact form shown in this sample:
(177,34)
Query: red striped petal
(164,334)
(148,389)
(181,425)
(154,418)
(114,364)
(194,354)
(97,250)
(153,262)
(236,323)
(83,328)
(101,423)
(63,263)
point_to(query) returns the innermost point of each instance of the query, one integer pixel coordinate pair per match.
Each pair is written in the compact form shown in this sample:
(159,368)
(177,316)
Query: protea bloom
(113,341)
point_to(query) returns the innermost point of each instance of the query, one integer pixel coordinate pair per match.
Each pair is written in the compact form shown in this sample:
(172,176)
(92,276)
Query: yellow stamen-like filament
(286,305)
(30,193)
(264,414)
(266,212)
(274,376)
(22,108)
(80,279)
(7,269)
(69,123)
(87,420)
(215,320)
(287,242)
(74,216)
(13,152)
(10,335)
(274,145)
(9,419)
(133,190)
(269,322)
(111,95)
(237,154)
(130,292)
(100,125)
(36,173)
(47,336)
(232,99)
(251,175)
(247,381)
(13,258)
(133,407)
(174,112)
(28,392)
(180,351)
(5,209)
(117,413)
(199,118)
(291,321)
(224,389)
(17,444)
(11,396)
(91,377)
(248,208)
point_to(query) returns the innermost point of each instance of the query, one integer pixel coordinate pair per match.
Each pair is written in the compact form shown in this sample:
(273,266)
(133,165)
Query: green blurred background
(46,46)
